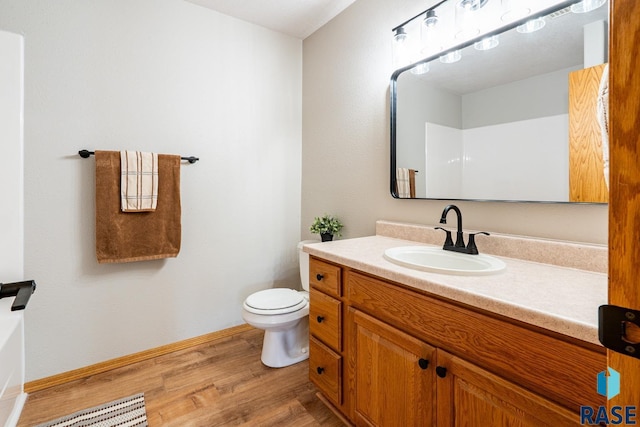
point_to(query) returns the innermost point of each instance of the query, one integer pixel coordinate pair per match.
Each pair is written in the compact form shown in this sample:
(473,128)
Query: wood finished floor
(221,383)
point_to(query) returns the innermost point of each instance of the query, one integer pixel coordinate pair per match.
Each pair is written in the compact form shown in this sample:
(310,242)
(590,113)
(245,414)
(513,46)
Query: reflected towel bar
(86,153)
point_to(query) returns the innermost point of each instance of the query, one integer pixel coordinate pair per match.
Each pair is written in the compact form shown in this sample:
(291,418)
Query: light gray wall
(11,164)
(345,152)
(539,96)
(172,77)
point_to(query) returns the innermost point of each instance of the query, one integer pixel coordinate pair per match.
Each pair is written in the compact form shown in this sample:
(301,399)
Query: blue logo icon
(609,383)
(609,386)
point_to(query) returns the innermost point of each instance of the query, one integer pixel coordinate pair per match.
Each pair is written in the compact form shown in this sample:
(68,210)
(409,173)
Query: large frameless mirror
(518,115)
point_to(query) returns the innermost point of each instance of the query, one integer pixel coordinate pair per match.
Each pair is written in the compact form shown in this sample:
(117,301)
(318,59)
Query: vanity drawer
(326,277)
(325,370)
(325,319)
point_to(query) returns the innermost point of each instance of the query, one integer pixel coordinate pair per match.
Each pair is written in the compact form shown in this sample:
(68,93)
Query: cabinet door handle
(320,370)
(319,277)
(320,319)
(423,363)
(441,371)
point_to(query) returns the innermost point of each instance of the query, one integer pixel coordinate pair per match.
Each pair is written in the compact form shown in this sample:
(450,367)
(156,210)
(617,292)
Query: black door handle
(319,319)
(319,277)
(320,370)
(423,363)
(21,290)
(441,371)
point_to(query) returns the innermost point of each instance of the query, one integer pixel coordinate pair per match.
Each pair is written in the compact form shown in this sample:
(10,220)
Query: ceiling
(297,18)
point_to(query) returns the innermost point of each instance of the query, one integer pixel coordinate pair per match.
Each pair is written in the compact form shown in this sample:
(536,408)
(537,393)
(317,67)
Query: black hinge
(612,322)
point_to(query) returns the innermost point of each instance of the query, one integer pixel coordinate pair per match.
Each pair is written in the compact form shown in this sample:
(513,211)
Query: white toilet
(284,316)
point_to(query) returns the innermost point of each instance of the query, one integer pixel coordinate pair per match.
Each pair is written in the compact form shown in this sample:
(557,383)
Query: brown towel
(140,236)
(412,183)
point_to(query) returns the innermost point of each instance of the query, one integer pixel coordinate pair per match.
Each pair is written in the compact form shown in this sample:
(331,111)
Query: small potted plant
(326,226)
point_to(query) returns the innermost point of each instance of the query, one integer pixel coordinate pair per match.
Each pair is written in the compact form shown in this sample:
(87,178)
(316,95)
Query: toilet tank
(303,258)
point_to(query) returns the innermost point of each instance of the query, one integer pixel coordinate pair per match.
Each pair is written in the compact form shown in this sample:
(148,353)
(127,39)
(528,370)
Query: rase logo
(608,385)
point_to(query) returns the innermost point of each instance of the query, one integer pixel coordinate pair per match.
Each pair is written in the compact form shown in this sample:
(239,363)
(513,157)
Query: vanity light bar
(542,13)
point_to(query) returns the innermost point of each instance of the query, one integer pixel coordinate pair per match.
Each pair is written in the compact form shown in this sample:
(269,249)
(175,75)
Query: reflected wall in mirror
(519,122)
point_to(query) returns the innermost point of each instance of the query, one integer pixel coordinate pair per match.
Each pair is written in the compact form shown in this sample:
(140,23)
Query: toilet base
(282,348)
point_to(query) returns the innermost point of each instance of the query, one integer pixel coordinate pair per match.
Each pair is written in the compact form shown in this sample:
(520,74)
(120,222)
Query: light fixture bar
(471,42)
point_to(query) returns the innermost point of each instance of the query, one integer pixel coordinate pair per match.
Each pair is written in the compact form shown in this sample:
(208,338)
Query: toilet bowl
(284,315)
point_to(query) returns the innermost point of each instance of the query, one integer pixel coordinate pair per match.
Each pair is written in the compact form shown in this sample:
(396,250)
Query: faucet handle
(448,242)
(471,246)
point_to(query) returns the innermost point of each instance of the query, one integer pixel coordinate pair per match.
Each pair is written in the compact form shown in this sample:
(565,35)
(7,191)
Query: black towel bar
(86,153)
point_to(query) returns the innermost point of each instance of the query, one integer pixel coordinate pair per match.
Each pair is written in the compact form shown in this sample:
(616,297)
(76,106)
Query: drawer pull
(320,319)
(320,370)
(423,363)
(319,277)
(441,371)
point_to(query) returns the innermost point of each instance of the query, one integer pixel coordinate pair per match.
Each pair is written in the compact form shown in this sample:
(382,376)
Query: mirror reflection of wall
(496,124)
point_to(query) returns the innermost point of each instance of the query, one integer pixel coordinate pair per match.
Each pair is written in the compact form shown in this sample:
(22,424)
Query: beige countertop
(561,299)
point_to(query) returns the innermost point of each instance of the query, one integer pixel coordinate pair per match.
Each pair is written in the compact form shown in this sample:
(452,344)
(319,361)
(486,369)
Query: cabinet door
(586,162)
(471,396)
(395,380)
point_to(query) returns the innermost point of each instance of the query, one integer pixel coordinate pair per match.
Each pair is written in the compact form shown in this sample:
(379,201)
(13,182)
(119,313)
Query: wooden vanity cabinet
(325,328)
(398,378)
(411,358)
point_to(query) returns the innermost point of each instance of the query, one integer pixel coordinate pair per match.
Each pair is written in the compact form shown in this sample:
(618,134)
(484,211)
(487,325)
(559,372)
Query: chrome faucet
(459,246)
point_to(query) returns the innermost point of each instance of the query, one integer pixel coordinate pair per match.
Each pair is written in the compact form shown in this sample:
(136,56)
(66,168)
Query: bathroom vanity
(393,346)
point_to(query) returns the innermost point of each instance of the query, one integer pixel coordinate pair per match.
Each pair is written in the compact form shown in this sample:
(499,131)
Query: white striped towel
(138,181)
(402,183)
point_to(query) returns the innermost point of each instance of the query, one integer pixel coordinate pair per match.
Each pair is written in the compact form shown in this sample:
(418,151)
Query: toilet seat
(275,301)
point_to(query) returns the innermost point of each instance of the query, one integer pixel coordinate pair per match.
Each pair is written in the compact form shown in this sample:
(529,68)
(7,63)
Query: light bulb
(587,6)
(421,68)
(531,26)
(471,4)
(487,43)
(431,19)
(451,57)
(514,10)
(400,36)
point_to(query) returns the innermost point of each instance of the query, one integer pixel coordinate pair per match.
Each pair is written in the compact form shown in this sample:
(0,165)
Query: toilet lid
(275,301)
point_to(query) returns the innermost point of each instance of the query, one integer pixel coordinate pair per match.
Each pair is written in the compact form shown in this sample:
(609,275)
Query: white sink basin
(437,260)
